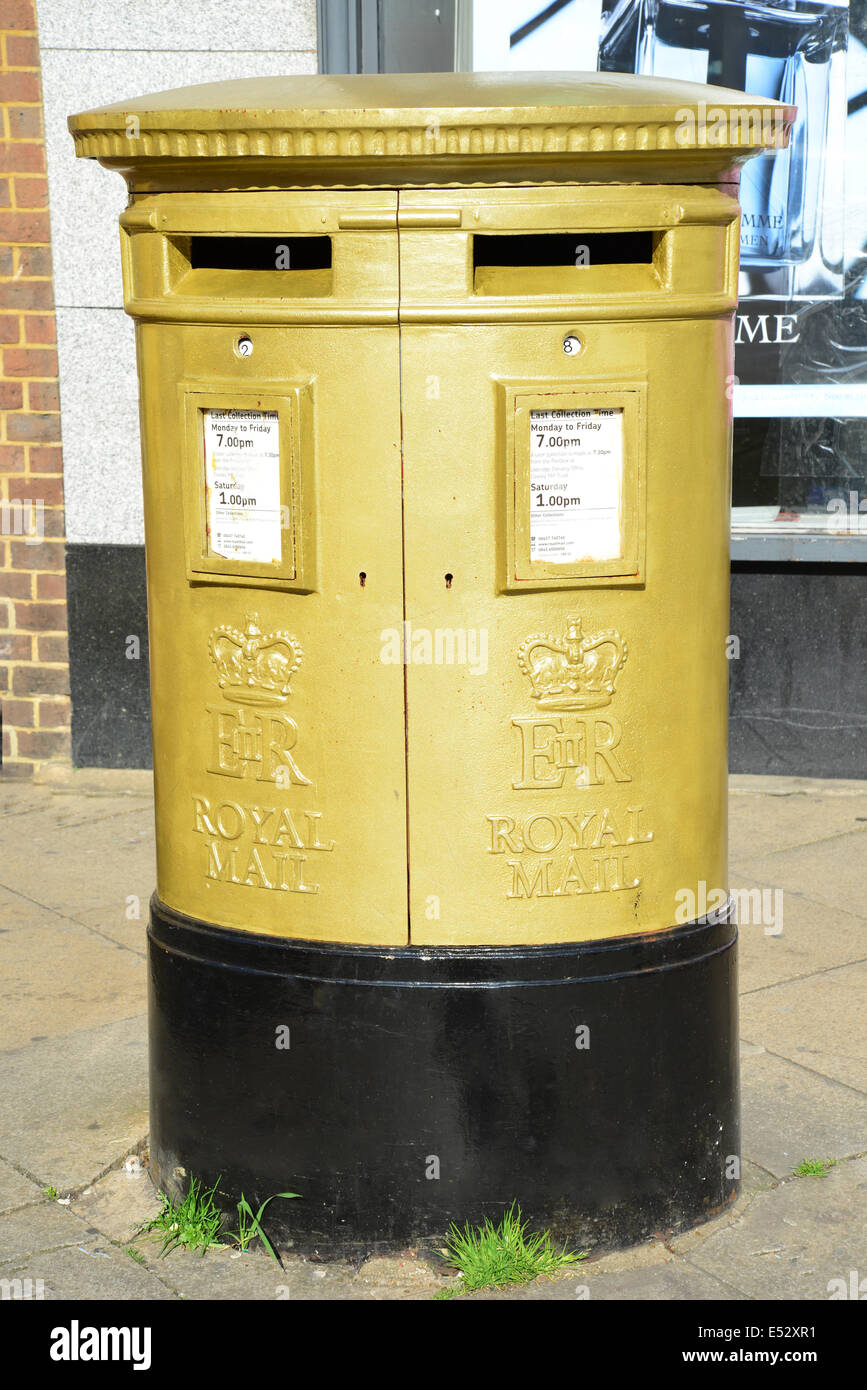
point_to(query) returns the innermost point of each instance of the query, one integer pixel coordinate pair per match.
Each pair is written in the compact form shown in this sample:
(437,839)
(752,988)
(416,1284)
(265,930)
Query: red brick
(28,294)
(53,650)
(42,743)
(37,488)
(22,51)
(13,584)
(25,122)
(20,714)
(31,191)
(6,613)
(31,225)
(53,522)
(4,677)
(43,395)
(19,86)
(5,193)
(8,742)
(40,617)
(22,157)
(11,459)
(40,680)
(48,460)
(16,771)
(40,328)
(19,14)
(27,427)
(34,261)
(11,395)
(6,255)
(49,586)
(10,328)
(16,646)
(30,362)
(52,714)
(47,555)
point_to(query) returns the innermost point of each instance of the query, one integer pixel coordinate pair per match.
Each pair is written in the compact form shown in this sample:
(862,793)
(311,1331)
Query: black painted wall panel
(798,688)
(798,693)
(111,724)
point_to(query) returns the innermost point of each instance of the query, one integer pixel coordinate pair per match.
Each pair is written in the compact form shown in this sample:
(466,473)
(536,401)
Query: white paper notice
(242,484)
(576,485)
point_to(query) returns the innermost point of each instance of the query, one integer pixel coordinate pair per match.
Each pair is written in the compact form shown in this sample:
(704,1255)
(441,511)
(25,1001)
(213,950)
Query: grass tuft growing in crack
(815,1167)
(193,1223)
(196,1223)
(250,1224)
(489,1256)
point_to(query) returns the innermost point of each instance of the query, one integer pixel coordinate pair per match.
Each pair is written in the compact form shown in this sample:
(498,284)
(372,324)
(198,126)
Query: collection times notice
(242,484)
(576,485)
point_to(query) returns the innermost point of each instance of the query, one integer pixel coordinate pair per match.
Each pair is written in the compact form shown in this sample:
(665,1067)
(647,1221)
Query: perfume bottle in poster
(800,402)
(793,51)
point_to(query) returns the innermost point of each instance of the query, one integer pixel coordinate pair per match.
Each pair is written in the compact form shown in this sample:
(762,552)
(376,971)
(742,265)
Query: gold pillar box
(436,420)
(420,689)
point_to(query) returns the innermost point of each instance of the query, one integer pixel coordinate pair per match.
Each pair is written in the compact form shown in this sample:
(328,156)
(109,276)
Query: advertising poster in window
(800,396)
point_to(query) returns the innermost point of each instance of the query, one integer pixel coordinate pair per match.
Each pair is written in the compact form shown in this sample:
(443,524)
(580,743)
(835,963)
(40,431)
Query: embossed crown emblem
(575,671)
(254,667)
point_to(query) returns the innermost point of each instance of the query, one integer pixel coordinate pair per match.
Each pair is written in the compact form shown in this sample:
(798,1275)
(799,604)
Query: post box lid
(433,127)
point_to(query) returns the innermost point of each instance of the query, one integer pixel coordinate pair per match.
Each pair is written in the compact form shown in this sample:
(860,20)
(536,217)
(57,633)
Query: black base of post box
(397,1090)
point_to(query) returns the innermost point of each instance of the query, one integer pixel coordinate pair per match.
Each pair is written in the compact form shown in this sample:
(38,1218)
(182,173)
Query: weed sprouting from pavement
(489,1256)
(193,1223)
(250,1223)
(815,1167)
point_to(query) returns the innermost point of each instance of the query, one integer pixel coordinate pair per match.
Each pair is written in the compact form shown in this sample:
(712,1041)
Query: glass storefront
(800,392)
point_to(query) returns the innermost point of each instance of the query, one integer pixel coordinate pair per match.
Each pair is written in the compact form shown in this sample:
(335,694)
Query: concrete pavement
(76,872)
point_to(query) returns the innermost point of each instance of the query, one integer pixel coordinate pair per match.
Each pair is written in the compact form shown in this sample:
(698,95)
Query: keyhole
(449,578)
(362,579)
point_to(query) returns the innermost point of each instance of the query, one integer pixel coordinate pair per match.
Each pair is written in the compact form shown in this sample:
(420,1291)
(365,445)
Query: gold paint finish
(410,726)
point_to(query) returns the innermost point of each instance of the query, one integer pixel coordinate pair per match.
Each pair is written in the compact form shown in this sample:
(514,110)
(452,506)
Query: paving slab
(71,1106)
(18,798)
(830,872)
(813,938)
(43,1226)
(87,865)
(674,1280)
(59,977)
(792,1242)
(118,1203)
(40,820)
(790,1113)
(92,1271)
(226,1274)
(123,922)
(16,1190)
(811,1021)
(754,1178)
(762,823)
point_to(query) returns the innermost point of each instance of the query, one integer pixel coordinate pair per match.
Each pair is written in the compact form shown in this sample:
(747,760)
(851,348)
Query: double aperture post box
(436,417)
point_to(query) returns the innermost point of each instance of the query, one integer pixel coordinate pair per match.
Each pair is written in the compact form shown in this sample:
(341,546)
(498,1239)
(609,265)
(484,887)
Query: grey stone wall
(106,51)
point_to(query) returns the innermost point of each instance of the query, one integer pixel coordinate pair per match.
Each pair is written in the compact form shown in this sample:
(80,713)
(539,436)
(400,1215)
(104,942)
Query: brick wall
(34,675)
